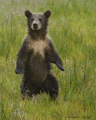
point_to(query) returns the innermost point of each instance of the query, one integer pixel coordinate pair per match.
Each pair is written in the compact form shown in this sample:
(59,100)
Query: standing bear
(35,56)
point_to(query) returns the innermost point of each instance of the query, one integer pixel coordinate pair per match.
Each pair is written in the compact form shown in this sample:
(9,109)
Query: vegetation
(72,28)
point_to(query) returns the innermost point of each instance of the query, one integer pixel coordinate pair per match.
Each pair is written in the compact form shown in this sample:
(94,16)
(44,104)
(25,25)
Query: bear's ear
(47,13)
(28,13)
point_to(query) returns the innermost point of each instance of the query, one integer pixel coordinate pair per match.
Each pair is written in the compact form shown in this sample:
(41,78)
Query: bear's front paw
(19,71)
(59,66)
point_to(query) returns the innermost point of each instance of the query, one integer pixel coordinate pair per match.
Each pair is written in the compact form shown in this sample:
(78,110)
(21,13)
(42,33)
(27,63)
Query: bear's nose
(35,25)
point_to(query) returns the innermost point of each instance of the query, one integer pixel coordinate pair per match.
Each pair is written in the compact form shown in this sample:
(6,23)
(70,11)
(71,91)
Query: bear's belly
(36,69)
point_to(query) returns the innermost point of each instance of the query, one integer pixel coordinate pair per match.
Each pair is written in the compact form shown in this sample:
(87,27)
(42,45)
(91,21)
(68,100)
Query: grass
(72,28)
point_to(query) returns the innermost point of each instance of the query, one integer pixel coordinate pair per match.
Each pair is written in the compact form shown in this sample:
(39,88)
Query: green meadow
(72,27)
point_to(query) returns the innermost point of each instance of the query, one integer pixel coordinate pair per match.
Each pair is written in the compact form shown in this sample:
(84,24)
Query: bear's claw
(19,71)
(60,66)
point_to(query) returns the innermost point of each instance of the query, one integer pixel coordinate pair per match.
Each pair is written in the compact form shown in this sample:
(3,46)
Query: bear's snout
(35,25)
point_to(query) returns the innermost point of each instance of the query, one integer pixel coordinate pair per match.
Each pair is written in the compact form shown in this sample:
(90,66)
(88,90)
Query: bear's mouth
(35,27)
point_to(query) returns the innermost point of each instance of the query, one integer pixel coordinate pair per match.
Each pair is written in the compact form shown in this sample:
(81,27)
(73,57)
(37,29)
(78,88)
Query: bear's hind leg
(50,86)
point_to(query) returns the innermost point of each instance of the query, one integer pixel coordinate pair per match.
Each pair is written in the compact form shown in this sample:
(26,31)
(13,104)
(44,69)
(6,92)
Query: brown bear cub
(35,56)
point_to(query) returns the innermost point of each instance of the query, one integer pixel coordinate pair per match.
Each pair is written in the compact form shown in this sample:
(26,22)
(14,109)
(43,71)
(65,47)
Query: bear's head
(39,21)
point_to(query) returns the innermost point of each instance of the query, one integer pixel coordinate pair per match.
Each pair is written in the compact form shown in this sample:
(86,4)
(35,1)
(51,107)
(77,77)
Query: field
(72,28)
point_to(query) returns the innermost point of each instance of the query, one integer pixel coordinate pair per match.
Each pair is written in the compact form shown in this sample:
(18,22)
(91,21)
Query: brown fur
(34,58)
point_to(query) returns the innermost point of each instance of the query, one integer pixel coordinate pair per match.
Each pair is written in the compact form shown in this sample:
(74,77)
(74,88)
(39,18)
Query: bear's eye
(40,19)
(32,19)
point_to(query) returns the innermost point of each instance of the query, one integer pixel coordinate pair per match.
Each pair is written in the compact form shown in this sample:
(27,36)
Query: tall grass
(72,28)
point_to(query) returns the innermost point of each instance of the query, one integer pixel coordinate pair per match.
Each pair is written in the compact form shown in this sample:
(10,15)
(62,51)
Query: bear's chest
(38,47)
